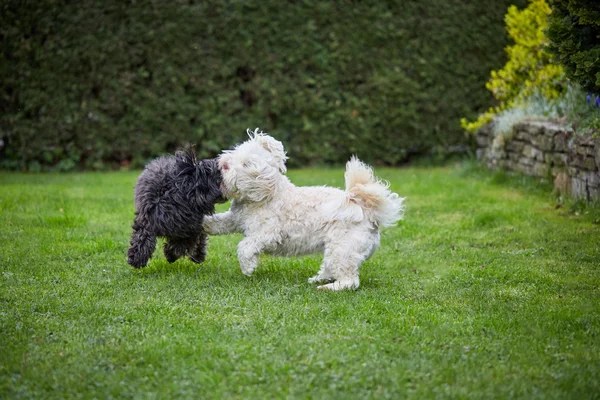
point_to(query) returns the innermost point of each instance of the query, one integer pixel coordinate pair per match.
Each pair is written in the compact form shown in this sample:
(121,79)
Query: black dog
(172,196)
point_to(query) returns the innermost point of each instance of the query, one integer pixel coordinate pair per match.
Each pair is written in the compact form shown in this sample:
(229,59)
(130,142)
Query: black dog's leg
(197,252)
(175,248)
(143,243)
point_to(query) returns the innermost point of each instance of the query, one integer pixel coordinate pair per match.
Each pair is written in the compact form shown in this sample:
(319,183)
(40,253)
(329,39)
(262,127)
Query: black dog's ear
(208,171)
(186,155)
(186,161)
(210,176)
(210,166)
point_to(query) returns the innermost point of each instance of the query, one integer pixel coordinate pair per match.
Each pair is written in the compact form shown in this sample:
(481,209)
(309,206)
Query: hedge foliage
(574,32)
(91,84)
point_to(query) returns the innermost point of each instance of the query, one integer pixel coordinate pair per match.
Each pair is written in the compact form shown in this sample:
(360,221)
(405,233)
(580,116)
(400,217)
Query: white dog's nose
(225,166)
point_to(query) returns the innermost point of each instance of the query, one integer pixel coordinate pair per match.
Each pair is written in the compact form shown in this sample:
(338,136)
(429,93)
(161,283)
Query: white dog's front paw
(247,271)
(208,225)
(340,285)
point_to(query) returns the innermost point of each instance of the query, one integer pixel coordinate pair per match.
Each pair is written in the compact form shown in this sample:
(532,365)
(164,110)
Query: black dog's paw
(134,260)
(171,257)
(197,258)
(173,251)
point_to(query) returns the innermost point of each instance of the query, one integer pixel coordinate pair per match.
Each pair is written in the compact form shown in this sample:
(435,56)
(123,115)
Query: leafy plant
(529,70)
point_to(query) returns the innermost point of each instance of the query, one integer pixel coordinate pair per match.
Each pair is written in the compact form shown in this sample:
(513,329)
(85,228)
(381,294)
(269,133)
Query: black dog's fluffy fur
(172,196)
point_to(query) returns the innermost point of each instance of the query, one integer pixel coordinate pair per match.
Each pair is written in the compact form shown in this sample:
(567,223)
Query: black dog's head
(201,179)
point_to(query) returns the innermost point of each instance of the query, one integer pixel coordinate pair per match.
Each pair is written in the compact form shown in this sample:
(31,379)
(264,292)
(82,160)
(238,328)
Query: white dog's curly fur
(279,218)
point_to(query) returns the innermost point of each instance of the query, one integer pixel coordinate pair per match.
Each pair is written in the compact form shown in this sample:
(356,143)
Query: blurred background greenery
(112,84)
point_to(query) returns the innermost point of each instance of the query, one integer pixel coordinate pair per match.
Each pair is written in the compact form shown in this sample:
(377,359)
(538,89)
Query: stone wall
(546,150)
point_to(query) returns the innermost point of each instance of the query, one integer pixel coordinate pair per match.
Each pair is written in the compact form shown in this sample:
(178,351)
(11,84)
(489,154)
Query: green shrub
(574,33)
(529,71)
(91,84)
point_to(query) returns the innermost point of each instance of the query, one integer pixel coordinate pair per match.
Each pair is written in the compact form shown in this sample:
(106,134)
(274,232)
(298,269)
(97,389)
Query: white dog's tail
(379,204)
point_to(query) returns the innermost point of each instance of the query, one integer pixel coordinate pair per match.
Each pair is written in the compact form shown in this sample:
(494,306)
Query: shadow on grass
(272,272)
(284,268)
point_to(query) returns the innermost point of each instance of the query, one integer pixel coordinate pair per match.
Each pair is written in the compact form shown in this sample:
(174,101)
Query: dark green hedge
(94,84)
(574,33)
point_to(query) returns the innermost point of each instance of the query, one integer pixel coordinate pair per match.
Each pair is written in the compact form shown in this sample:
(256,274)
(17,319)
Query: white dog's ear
(258,182)
(273,146)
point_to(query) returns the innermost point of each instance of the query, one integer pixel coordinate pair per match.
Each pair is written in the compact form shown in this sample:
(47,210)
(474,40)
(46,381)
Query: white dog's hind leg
(325,274)
(248,251)
(344,270)
(344,260)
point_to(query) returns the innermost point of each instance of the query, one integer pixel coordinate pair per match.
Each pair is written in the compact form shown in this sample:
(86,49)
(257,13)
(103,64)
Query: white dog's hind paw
(340,285)
(247,272)
(319,278)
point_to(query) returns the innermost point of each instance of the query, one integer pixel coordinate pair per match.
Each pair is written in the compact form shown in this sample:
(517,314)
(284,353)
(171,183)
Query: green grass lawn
(485,290)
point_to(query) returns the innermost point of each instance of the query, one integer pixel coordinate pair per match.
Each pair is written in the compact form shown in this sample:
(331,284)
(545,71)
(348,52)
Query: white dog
(279,218)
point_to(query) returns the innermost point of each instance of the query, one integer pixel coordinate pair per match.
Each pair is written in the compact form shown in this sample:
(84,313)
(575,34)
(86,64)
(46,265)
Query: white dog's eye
(245,165)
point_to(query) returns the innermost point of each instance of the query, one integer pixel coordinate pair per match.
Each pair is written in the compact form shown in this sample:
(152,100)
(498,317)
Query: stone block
(533,128)
(561,141)
(522,135)
(508,164)
(515,146)
(540,169)
(578,149)
(521,131)
(578,188)
(592,178)
(514,156)
(583,146)
(593,193)
(542,142)
(582,161)
(533,153)
(524,168)
(556,159)
(590,152)
(526,161)
(573,171)
(552,130)
(583,141)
